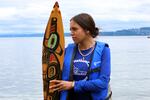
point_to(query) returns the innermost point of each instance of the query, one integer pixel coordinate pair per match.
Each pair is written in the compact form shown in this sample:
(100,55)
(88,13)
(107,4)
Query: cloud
(31,15)
(30,18)
(7,13)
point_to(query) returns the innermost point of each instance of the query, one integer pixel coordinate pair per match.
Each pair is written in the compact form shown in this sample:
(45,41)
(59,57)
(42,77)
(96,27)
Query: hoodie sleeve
(104,76)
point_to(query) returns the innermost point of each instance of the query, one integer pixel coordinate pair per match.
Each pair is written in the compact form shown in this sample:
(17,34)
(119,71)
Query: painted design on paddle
(52,48)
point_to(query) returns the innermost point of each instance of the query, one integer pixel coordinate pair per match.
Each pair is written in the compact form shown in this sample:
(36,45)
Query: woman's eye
(73,29)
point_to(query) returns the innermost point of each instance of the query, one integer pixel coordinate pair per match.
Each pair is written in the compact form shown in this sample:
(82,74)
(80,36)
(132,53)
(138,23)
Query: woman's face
(77,32)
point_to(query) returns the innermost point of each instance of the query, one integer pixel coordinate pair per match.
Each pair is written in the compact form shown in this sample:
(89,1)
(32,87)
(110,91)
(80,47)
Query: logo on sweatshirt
(97,63)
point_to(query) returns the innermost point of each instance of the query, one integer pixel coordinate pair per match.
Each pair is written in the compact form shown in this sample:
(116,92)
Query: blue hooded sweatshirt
(99,77)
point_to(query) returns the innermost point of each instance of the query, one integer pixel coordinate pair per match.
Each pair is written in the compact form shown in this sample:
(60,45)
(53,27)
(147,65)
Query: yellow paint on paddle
(53,52)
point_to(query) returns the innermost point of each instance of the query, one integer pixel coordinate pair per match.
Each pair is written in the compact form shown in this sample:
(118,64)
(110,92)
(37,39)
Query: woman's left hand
(59,85)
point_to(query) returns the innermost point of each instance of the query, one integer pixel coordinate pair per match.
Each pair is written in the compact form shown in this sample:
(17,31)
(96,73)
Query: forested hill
(143,31)
(129,32)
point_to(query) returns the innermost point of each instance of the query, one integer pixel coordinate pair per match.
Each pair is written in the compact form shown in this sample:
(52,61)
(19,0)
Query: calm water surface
(21,69)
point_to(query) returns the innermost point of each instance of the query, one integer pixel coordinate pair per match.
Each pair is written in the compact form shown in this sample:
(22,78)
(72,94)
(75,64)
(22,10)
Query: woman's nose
(72,33)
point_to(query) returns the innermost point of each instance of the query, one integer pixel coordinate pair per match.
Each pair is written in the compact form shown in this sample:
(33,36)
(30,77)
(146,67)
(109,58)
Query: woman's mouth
(73,38)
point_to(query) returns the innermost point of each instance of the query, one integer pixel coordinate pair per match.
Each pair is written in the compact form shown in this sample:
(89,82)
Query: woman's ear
(87,31)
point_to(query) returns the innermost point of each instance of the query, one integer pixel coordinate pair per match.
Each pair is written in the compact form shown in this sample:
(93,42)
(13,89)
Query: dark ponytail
(96,33)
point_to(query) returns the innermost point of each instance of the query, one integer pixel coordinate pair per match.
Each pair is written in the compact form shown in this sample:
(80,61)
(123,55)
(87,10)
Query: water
(130,67)
(21,68)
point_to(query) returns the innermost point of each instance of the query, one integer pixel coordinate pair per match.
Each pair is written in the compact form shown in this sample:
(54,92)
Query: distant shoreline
(143,31)
(42,35)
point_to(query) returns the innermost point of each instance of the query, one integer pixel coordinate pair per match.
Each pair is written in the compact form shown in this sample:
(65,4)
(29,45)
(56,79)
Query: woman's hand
(59,85)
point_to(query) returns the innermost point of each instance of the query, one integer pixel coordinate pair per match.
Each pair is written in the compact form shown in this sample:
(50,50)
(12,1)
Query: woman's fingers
(58,88)
(55,81)
(59,85)
(61,88)
(54,86)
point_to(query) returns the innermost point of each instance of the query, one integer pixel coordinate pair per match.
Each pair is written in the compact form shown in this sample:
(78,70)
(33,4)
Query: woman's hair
(87,23)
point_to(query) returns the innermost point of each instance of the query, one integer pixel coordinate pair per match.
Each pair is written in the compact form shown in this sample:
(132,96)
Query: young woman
(86,70)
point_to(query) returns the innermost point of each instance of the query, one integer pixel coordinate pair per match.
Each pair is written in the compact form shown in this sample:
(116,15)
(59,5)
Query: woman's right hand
(59,85)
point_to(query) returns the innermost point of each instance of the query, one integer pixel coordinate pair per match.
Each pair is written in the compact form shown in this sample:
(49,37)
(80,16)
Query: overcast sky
(31,16)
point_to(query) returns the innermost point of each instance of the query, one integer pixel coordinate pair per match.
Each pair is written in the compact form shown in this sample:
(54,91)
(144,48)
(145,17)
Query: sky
(31,16)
